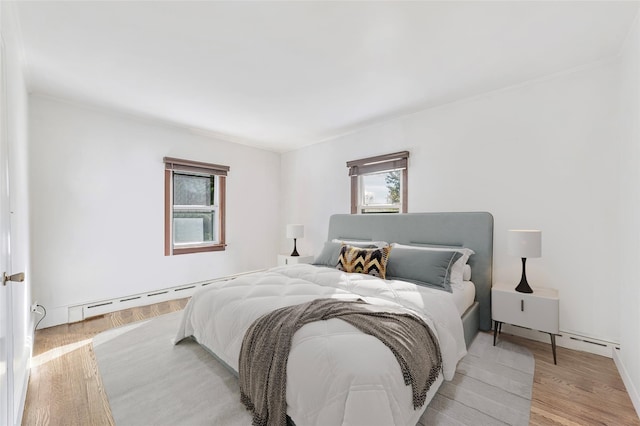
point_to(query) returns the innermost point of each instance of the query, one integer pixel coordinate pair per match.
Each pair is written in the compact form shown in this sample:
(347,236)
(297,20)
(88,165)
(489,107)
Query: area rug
(149,381)
(492,386)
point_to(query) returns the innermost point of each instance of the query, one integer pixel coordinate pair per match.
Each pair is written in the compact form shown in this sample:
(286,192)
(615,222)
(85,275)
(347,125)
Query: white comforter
(335,373)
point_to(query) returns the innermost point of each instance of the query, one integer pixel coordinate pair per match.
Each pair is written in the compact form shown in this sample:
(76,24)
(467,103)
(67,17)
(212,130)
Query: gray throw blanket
(265,351)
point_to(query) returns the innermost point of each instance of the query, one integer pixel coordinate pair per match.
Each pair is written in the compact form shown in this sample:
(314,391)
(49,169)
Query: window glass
(190,227)
(192,190)
(381,192)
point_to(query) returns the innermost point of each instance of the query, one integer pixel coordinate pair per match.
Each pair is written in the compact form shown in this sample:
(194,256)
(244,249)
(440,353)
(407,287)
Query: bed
(336,374)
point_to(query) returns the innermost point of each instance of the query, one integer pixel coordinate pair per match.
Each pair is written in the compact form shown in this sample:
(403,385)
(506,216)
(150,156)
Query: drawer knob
(521,305)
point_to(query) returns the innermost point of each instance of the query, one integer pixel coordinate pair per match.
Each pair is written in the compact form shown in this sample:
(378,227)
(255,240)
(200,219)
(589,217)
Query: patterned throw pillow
(371,261)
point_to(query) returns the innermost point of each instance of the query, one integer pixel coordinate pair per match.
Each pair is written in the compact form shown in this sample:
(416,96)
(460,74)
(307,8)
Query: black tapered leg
(553,347)
(496,325)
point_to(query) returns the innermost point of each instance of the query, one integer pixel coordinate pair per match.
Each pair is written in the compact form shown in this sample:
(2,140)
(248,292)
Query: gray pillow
(423,267)
(331,252)
(329,255)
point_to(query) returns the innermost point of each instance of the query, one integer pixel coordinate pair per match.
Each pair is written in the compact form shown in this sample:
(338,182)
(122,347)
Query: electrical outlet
(34,307)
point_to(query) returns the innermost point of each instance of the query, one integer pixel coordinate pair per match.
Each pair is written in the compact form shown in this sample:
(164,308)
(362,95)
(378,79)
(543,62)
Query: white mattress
(464,295)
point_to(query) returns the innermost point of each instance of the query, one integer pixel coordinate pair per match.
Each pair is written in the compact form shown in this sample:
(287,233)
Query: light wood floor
(65,387)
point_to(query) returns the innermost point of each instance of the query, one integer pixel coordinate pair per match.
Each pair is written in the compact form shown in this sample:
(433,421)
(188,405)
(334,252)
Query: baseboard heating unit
(101,307)
(566,340)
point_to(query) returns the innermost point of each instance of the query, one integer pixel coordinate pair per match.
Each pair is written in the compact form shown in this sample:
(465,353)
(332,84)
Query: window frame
(219,172)
(375,165)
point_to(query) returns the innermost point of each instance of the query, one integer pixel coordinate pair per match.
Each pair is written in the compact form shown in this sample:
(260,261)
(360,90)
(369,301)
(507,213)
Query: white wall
(97,199)
(629,296)
(540,155)
(16,104)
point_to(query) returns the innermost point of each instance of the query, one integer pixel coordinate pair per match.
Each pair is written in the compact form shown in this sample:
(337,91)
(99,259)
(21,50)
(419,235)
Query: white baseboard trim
(55,316)
(626,379)
(566,340)
(75,313)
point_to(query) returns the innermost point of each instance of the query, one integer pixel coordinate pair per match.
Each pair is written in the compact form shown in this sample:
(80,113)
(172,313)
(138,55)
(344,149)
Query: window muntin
(379,184)
(194,206)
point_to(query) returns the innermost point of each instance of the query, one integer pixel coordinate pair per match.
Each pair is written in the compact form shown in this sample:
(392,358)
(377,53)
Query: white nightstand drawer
(284,259)
(538,310)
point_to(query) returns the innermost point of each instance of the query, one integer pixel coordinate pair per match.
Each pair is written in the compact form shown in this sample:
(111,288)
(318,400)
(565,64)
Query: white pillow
(378,244)
(466,273)
(457,270)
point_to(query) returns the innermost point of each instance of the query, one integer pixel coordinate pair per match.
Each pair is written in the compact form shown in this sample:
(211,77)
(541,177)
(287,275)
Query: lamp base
(295,251)
(524,287)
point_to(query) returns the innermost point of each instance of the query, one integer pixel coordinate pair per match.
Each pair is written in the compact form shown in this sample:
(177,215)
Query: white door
(15,340)
(6,333)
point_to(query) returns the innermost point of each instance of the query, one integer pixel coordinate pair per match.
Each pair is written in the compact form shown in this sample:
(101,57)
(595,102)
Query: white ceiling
(281,75)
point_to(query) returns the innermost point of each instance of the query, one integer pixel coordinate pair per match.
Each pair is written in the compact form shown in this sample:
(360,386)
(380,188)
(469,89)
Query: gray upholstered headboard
(473,230)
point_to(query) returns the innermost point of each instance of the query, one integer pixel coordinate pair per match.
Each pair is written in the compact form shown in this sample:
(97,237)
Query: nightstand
(538,310)
(284,259)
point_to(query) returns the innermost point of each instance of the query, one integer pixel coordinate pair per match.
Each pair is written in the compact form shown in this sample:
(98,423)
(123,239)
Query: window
(194,206)
(379,184)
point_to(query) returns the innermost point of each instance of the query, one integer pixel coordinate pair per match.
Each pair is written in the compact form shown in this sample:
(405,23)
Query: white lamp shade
(524,243)
(295,231)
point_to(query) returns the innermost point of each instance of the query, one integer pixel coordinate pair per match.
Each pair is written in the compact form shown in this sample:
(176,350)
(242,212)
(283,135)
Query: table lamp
(295,231)
(524,243)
